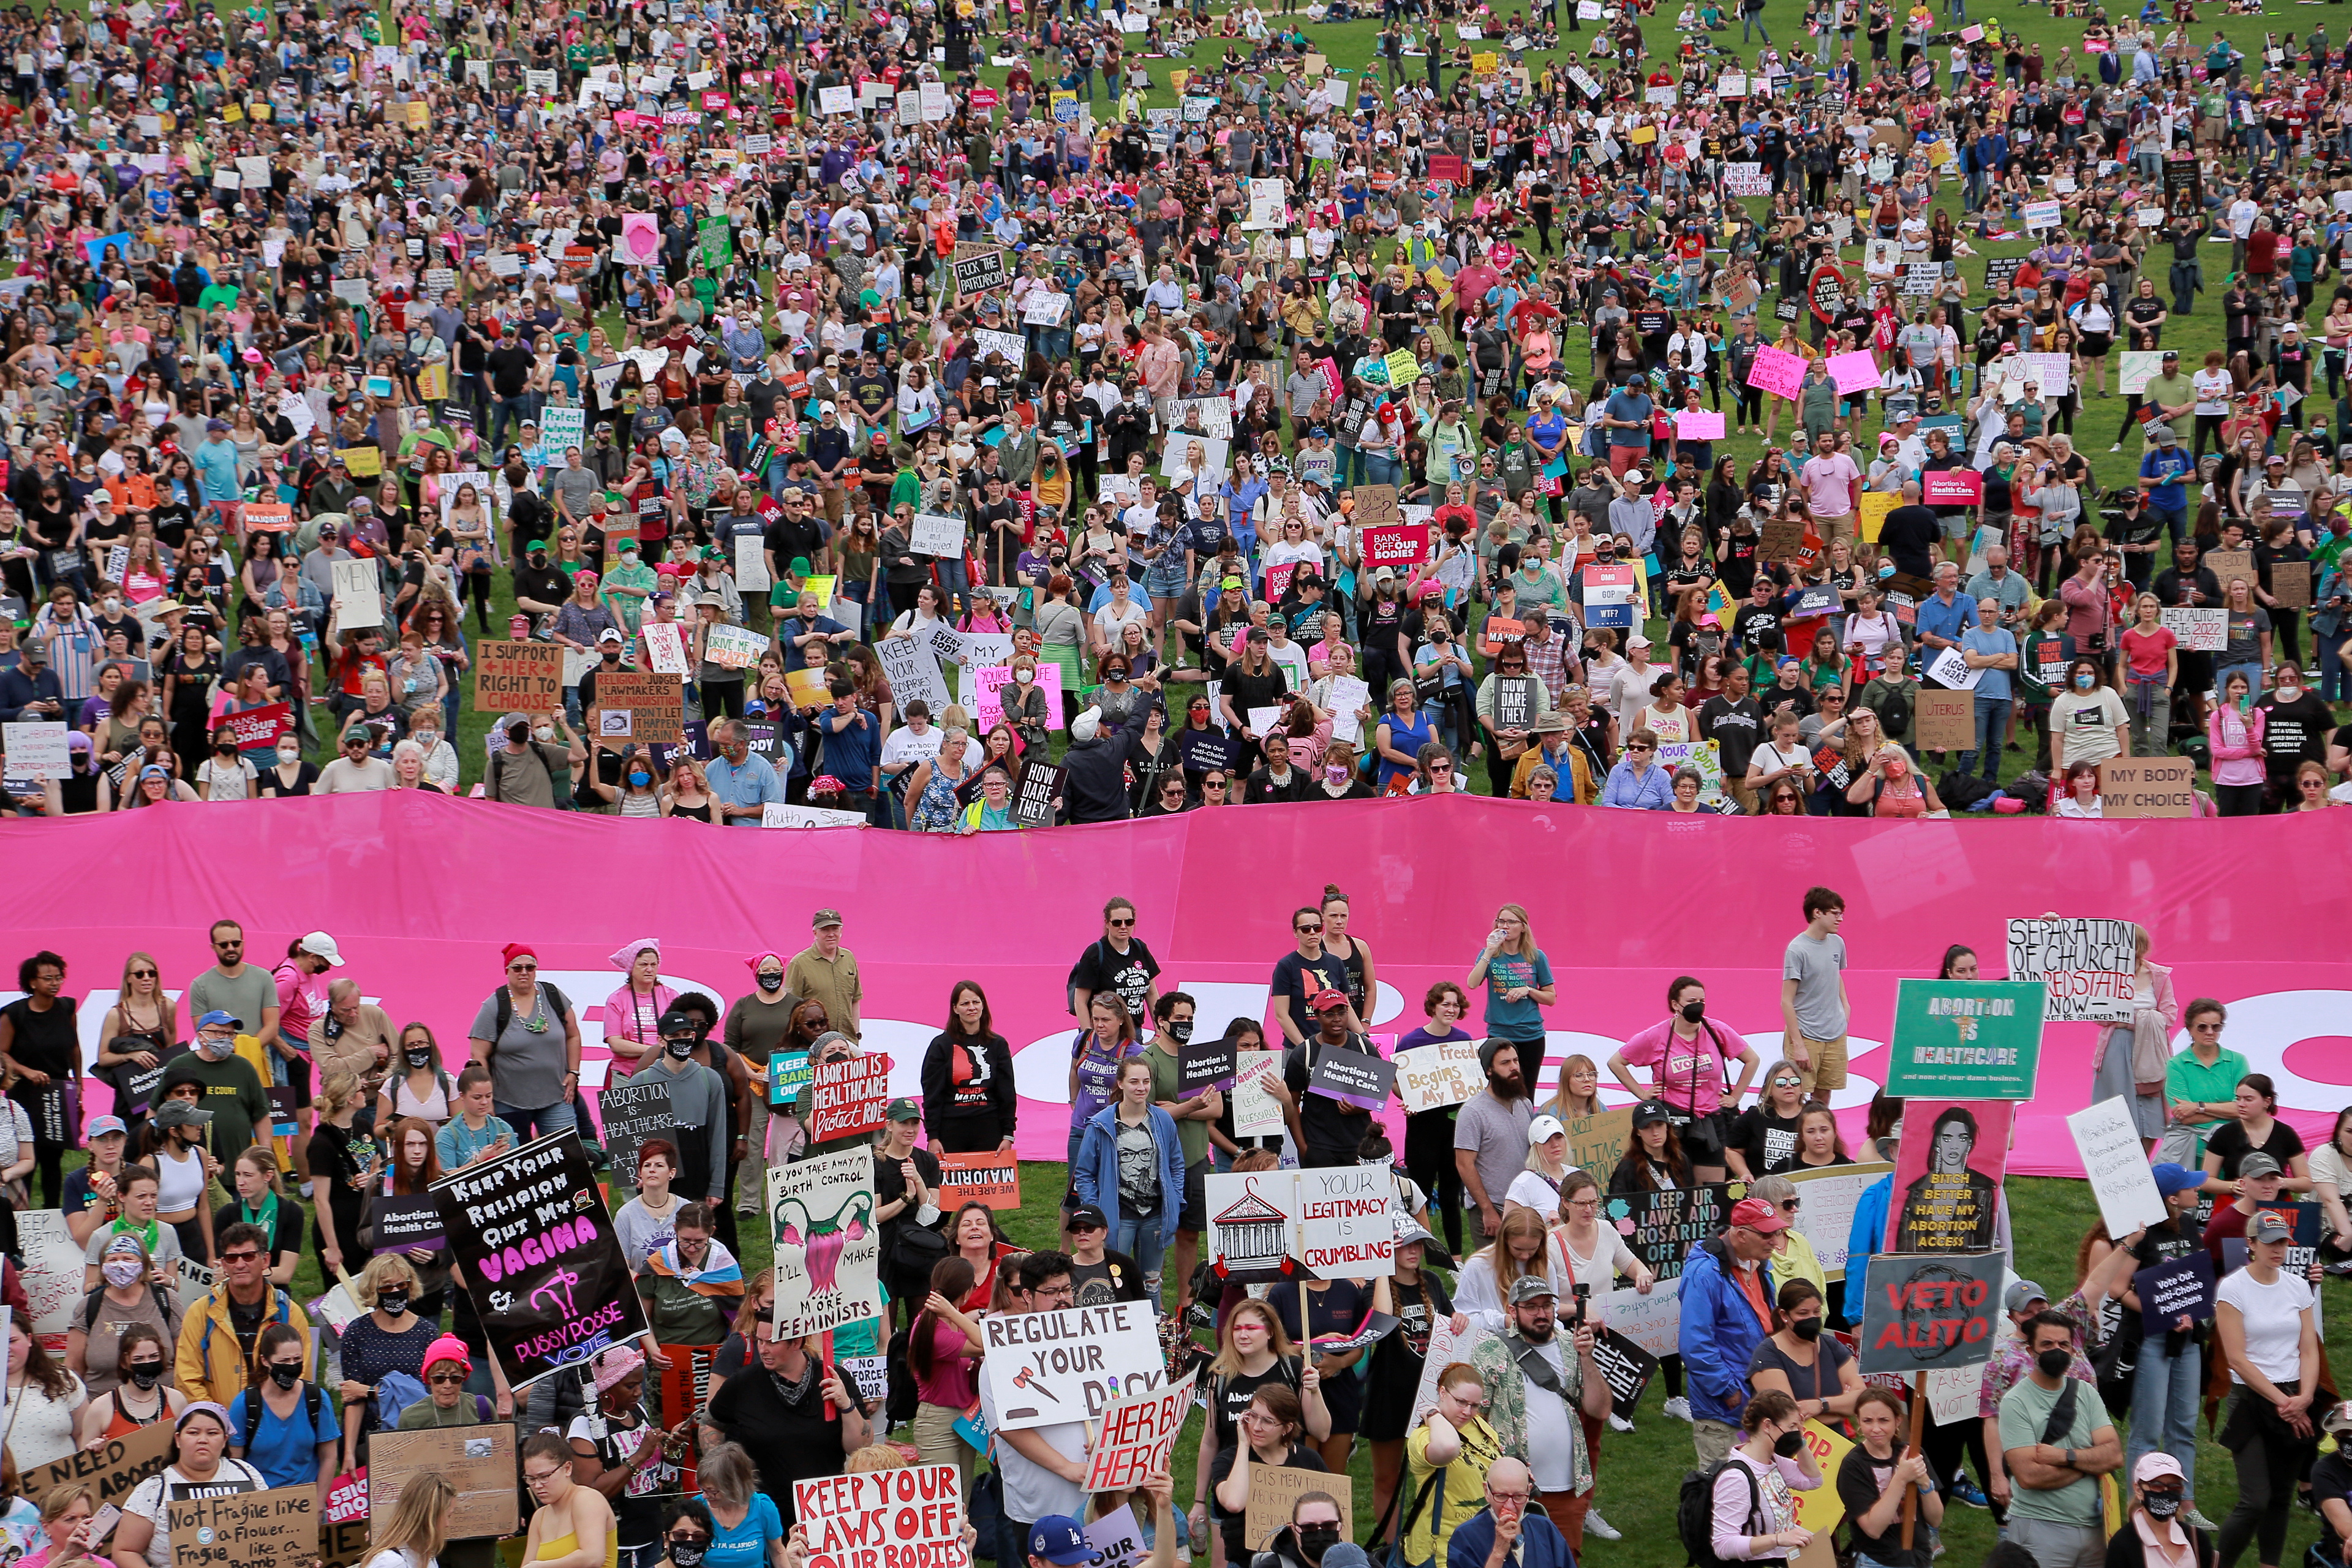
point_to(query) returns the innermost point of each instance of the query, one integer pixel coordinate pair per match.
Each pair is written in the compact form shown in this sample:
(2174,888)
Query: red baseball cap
(1757,1215)
(1326,999)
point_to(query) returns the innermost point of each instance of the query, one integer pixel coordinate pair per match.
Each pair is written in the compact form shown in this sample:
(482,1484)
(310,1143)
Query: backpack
(555,999)
(1694,1510)
(312,1401)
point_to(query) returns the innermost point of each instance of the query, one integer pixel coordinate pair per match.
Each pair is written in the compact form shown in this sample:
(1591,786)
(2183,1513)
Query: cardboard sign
(1947,720)
(2291,584)
(1137,1437)
(1947,1175)
(1354,1078)
(1431,1077)
(885,1518)
(273,1529)
(1597,1143)
(634,1109)
(1625,1366)
(1922,1312)
(1044,1369)
(656,703)
(828,1249)
(2200,629)
(111,1471)
(1273,1497)
(2180,1288)
(2235,565)
(2109,1140)
(1972,1039)
(518,677)
(847,1097)
(541,1260)
(1203,1064)
(991,1179)
(479,1461)
(2147,787)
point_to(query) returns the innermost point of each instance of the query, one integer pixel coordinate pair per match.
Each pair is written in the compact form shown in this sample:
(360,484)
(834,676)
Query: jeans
(1380,469)
(1137,1236)
(1753,19)
(538,1121)
(2163,1407)
(1992,728)
(2334,680)
(501,410)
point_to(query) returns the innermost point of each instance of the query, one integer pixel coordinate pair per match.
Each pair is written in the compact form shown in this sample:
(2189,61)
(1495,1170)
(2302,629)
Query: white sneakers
(1679,1409)
(1596,1525)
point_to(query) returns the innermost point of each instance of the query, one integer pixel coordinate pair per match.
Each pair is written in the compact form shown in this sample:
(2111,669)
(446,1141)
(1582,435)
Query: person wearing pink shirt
(1832,486)
(1159,364)
(1690,1056)
(302,987)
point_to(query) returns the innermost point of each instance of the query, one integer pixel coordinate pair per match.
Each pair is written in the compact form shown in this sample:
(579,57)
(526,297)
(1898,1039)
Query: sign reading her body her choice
(1974,1039)
(1046,1368)
(828,1248)
(542,1261)
(1924,1311)
(2087,964)
(1947,1175)
(885,1518)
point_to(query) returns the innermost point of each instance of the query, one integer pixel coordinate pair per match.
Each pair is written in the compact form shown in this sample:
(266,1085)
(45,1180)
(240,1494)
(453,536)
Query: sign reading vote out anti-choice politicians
(541,1257)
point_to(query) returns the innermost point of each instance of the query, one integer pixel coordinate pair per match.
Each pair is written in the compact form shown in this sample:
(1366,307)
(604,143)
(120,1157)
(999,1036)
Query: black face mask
(1179,1030)
(769,981)
(1693,1011)
(145,1374)
(1806,1328)
(687,1554)
(418,1058)
(392,1302)
(1789,1444)
(2054,1363)
(1317,1539)
(678,1050)
(285,1376)
(2163,1505)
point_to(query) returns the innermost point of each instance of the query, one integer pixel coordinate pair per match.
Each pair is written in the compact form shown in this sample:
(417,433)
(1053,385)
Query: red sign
(267,517)
(1395,543)
(1277,581)
(991,1179)
(1952,487)
(255,728)
(984,98)
(847,1097)
(1448,166)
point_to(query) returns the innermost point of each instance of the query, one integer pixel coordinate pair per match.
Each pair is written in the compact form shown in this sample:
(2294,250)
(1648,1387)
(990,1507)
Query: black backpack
(1694,1510)
(555,999)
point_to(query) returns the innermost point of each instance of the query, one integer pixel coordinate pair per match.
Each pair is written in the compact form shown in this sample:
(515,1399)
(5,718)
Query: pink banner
(1856,372)
(421,891)
(1698,425)
(1778,372)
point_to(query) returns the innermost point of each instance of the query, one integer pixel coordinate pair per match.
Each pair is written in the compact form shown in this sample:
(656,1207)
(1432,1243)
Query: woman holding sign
(200,1467)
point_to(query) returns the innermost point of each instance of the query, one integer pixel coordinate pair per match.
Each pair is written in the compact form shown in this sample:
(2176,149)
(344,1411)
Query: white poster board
(2109,1140)
(1044,1369)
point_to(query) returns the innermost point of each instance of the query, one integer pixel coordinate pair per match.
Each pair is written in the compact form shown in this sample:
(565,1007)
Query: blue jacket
(1867,1237)
(1541,1545)
(1719,1333)
(1096,1172)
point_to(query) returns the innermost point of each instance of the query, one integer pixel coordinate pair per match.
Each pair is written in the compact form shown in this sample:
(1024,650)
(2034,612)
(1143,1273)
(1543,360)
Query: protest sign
(633,1109)
(1966,1039)
(347,1496)
(1347,1228)
(2291,584)
(1039,787)
(828,1248)
(1821,1509)
(1274,1497)
(399,1224)
(111,1471)
(936,535)
(1650,1319)
(2147,787)
(53,1268)
(1137,1437)
(1666,1225)
(784,814)
(2087,964)
(518,677)
(991,1179)
(359,595)
(1947,1175)
(273,1529)
(1045,1368)
(656,703)
(1204,1065)
(1431,1077)
(1399,544)
(2199,630)
(1829,1195)
(2182,1288)
(914,671)
(884,1519)
(2304,1224)
(1928,1310)
(1598,1141)
(1445,1348)
(1117,1540)
(42,749)
(846,1097)
(1952,487)
(665,647)
(2107,1137)
(1855,372)
(1625,1366)
(1360,1078)
(979,269)
(479,1461)
(2140,367)
(1948,720)
(2229,566)
(1252,1222)
(541,1260)
(1778,372)
(253,728)
(2041,215)
(1698,425)
(1257,1112)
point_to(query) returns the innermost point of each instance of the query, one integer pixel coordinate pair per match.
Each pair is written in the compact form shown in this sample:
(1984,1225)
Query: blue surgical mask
(1886,569)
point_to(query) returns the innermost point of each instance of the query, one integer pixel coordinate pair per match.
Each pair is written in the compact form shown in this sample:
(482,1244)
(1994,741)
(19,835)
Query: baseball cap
(1650,1111)
(106,1124)
(2258,1164)
(2268,1226)
(2022,1294)
(2156,1465)
(609,634)
(1544,1128)
(2160,431)
(903,1109)
(318,944)
(2338,1419)
(216,1018)
(824,918)
(1086,1217)
(1756,1214)
(1056,1537)
(1532,1287)
(2171,1178)
(180,1113)
(1327,999)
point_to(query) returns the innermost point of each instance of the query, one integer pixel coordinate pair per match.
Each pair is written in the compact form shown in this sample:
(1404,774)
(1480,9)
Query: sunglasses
(1309,930)
(447,1379)
(1118,924)
(239,1256)
(143,974)
(522,969)
(1641,746)
(1212,783)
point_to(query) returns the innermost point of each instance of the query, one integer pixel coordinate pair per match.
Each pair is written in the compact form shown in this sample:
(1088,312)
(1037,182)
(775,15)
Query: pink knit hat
(615,1364)
(448,1347)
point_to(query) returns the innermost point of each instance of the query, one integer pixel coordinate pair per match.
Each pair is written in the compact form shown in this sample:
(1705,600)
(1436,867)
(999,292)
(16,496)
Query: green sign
(1967,1039)
(717,242)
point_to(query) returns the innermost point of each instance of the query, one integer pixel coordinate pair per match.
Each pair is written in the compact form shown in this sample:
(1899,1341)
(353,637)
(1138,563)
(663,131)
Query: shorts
(1194,1217)
(1827,1071)
(298,1079)
(1712,1441)
(1705,1137)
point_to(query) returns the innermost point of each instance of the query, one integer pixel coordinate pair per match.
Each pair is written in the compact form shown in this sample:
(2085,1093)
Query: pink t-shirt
(1686,1074)
(1829,484)
(2147,651)
(954,1381)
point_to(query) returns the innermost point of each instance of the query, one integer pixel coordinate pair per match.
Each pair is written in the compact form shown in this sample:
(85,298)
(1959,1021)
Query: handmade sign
(1664,1226)
(1947,718)
(936,535)
(633,1109)
(846,1097)
(1257,1112)
(2147,787)
(273,1529)
(1431,1077)
(479,1461)
(1828,1198)
(885,1518)
(1043,1369)
(2200,630)
(1854,372)
(112,1471)
(1947,1175)
(1598,1141)
(1966,1039)
(1778,372)
(359,595)
(518,677)
(541,1260)
(2113,1158)
(1925,1312)
(1137,1437)
(1274,1497)
(979,270)
(828,1246)
(656,703)
(2087,965)
(991,1179)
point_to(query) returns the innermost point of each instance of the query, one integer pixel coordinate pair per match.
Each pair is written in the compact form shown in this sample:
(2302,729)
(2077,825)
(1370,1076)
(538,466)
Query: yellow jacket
(211,1364)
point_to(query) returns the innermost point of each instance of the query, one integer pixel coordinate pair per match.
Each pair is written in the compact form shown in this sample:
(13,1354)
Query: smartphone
(103,1522)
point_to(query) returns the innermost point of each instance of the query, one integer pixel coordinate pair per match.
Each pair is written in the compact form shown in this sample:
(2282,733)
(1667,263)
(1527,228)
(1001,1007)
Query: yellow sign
(1403,369)
(1820,1510)
(1939,151)
(364,462)
(420,114)
(822,587)
(1176,80)
(231,112)
(1437,278)
(261,111)
(1642,135)
(433,382)
(1875,505)
(1485,64)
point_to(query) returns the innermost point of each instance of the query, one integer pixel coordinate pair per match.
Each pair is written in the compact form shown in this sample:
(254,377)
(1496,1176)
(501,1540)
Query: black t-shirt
(1907,534)
(1103,967)
(2229,1140)
(1115,1278)
(1764,1139)
(1333,1128)
(1299,978)
(2331,1481)
(1859,1481)
(1230,1395)
(45,1042)
(2293,733)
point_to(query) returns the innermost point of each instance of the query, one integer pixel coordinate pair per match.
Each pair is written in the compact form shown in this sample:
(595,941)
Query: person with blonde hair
(412,1534)
(741,1515)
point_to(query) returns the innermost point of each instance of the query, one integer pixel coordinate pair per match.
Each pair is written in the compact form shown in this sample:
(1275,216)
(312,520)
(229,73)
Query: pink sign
(640,239)
(1333,379)
(1698,425)
(1277,581)
(1778,372)
(1952,487)
(1856,372)
(1403,543)
(396,877)
(987,691)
